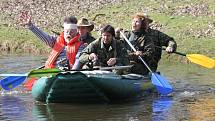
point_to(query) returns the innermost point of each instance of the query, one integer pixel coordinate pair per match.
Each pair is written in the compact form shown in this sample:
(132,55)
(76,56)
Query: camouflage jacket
(160,39)
(141,42)
(116,50)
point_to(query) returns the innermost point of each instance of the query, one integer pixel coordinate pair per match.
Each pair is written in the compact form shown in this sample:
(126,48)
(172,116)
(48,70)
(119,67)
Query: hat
(143,16)
(86,23)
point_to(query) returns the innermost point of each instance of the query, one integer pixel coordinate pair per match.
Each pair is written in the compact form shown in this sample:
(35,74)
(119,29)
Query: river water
(193,98)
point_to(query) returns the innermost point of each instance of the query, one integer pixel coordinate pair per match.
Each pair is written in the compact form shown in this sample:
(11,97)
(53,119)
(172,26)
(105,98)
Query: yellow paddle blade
(201,60)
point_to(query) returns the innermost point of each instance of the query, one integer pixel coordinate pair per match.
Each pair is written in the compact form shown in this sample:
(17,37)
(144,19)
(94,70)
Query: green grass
(183,28)
(20,40)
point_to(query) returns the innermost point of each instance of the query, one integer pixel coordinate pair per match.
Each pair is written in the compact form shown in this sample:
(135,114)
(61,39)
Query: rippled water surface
(193,98)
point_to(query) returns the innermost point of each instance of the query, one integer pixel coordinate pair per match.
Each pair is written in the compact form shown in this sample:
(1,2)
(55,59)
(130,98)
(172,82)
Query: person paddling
(142,43)
(158,38)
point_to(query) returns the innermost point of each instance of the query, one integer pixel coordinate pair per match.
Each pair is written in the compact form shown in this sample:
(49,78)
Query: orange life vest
(71,50)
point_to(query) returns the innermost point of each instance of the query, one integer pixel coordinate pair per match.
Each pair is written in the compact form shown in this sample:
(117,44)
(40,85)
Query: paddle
(197,59)
(13,80)
(54,71)
(16,79)
(159,81)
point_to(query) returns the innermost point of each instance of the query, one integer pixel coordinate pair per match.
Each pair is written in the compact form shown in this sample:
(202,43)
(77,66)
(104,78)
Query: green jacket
(141,42)
(160,39)
(116,50)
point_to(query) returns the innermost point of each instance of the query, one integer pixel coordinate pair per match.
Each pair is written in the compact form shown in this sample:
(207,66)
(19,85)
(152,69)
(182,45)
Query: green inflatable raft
(91,86)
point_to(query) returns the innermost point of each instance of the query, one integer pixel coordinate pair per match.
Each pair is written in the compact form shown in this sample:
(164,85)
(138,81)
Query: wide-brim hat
(84,22)
(143,16)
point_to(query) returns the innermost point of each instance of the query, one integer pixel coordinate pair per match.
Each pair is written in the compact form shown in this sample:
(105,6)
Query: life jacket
(71,50)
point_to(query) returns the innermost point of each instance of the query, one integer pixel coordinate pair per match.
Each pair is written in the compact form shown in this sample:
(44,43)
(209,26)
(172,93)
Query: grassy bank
(190,22)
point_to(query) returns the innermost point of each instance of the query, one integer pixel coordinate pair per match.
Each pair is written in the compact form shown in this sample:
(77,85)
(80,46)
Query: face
(83,30)
(136,24)
(107,37)
(69,34)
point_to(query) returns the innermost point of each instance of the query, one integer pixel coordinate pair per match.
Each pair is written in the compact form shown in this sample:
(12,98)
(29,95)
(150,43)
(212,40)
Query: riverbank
(191,23)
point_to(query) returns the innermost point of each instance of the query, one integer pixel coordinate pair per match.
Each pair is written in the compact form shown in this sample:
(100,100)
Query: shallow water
(193,98)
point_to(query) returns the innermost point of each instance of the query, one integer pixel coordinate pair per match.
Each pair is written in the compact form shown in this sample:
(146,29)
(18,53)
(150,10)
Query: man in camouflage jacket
(106,52)
(160,39)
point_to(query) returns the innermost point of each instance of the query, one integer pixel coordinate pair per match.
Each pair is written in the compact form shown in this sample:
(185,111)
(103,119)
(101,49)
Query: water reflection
(21,108)
(68,112)
(193,98)
(143,110)
(19,64)
(161,108)
(12,108)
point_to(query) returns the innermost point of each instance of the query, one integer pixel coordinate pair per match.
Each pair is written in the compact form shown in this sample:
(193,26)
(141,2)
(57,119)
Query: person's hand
(25,18)
(169,49)
(111,61)
(138,53)
(93,57)
(63,68)
(117,32)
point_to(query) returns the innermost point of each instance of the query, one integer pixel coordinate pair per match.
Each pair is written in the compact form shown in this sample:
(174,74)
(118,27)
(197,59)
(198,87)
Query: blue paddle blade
(161,84)
(11,82)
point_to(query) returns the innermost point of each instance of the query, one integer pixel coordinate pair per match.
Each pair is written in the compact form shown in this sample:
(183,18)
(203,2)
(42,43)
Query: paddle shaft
(115,67)
(132,47)
(199,59)
(101,68)
(173,52)
(41,67)
(44,65)
(57,71)
(20,74)
(159,81)
(26,73)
